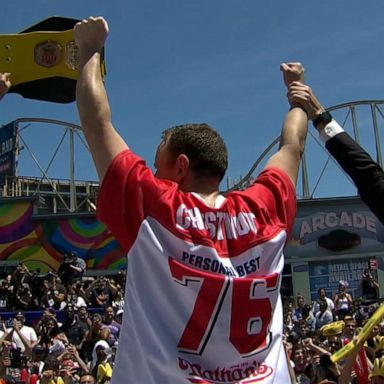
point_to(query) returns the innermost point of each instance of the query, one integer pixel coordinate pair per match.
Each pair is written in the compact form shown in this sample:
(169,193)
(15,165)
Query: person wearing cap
(39,354)
(72,268)
(119,316)
(101,367)
(78,268)
(22,336)
(75,330)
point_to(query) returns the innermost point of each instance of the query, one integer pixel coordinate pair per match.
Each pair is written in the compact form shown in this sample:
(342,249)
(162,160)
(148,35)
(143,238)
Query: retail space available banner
(7,151)
(327,274)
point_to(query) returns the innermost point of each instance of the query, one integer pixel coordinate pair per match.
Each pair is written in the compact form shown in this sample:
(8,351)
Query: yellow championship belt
(42,60)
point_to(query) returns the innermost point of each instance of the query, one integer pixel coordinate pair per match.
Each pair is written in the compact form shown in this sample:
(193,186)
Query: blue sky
(176,61)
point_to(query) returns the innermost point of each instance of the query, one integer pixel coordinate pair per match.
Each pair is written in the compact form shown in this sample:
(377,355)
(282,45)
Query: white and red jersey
(202,302)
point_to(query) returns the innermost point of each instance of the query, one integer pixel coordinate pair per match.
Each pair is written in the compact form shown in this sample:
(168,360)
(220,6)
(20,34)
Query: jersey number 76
(250,315)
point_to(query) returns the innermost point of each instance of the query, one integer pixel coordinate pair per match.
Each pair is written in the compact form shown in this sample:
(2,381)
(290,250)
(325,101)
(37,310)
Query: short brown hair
(203,146)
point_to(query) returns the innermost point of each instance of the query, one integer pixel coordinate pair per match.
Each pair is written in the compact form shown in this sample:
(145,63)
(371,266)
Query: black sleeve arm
(367,175)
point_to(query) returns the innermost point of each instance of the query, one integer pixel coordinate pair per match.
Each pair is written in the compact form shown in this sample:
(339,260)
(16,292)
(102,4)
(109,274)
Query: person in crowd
(39,355)
(114,327)
(343,300)
(22,336)
(20,276)
(301,312)
(373,342)
(101,367)
(288,322)
(72,268)
(331,335)
(322,295)
(53,292)
(301,361)
(87,379)
(48,331)
(323,316)
(74,329)
(369,287)
(377,374)
(322,371)
(120,278)
(5,295)
(5,358)
(71,362)
(118,300)
(48,313)
(297,311)
(23,299)
(97,331)
(119,316)
(309,321)
(100,292)
(167,235)
(50,372)
(83,316)
(78,294)
(349,330)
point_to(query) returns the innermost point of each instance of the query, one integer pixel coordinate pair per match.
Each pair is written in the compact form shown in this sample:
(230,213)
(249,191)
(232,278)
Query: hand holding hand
(292,72)
(302,95)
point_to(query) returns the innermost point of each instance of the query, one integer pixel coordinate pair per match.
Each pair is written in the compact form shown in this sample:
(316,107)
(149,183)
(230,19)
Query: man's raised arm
(295,127)
(91,97)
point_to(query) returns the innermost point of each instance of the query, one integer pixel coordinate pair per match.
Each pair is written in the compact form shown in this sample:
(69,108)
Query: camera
(18,360)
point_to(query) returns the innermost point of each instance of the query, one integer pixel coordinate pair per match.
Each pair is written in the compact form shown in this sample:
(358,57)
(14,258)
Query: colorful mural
(42,243)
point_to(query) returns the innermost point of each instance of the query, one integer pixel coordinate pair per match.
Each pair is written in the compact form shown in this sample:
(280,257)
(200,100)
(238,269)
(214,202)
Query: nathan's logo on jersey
(221,225)
(248,374)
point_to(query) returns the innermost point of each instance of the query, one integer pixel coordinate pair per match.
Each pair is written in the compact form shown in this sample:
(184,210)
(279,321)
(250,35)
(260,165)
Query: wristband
(324,118)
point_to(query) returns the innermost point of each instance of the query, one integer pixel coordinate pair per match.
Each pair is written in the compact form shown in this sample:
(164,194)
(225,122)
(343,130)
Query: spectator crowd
(315,331)
(75,335)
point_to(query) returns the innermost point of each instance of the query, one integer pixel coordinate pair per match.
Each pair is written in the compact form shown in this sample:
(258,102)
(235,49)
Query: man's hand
(90,35)
(16,325)
(5,84)
(292,72)
(301,94)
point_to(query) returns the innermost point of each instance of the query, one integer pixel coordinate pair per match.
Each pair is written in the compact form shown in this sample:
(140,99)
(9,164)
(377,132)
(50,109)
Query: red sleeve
(128,190)
(274,191)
